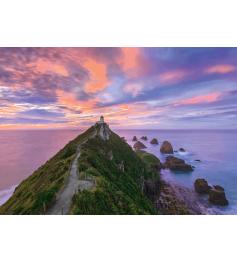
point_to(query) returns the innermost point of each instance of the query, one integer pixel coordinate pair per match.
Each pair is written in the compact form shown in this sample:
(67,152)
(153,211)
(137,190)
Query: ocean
(21,152)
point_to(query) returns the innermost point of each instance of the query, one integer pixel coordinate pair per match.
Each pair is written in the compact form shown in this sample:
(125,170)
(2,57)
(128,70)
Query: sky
(133,88)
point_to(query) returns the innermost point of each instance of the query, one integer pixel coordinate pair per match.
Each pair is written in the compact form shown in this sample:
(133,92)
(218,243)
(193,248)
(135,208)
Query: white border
(118,23)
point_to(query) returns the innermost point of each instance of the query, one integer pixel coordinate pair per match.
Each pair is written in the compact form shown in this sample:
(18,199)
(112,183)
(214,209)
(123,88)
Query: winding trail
(73,185)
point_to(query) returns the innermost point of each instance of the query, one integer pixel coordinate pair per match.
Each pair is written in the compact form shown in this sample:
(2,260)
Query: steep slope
(107,161)
(36,193)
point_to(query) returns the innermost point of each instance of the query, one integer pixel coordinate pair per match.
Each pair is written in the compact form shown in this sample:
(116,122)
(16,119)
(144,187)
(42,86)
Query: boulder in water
(139,145)
(134,139)
(182,150)
(154,141)
(144,138)
(217,187)
(201,186)
(217,197)
(166,148)
(176,164)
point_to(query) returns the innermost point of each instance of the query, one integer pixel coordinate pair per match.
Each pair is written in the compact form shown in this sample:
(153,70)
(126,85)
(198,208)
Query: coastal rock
(217,187)
(197,160)
(182,150)
(139,145)
(124,139)
(151,188)
(217,197)
(166,148)
(154,141)
(201,186)
(134,139)
(144,138)
(176,164)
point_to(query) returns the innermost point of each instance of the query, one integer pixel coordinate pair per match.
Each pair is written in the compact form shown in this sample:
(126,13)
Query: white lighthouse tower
(101,121)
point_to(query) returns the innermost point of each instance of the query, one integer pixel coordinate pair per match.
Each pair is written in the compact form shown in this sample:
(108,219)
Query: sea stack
(139,145)
(166,148)
(176,164)
(217,196)
(144,138)
(201,186)
(134,139)
(154,141)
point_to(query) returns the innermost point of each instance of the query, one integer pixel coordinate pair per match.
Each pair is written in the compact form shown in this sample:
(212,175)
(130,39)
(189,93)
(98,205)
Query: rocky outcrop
(201,186)
(124,139)
(154,141)
(182,150)
(103,131)
(139,145)
(166,148)
(134,139)
(144,138)
(217,197)
(216,194)
(151,188)
(176,164)
(217,187)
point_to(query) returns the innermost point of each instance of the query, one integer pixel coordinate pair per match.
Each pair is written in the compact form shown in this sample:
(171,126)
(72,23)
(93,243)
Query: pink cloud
(172,76)
(44,65)
(200,99)
(220,69)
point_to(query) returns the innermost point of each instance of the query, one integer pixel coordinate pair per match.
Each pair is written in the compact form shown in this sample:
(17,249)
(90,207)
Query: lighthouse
(101,121)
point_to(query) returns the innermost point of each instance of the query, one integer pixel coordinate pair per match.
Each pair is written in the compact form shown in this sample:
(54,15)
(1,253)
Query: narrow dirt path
(63,201)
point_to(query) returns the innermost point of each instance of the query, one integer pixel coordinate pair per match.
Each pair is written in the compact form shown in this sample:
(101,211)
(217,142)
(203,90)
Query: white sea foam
(5,194)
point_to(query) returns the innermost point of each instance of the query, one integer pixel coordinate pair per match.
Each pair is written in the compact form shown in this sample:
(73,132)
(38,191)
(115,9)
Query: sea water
(21,152)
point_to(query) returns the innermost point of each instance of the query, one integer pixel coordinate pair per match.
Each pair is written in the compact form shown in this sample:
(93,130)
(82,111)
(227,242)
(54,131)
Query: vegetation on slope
(36,193)
(119,174)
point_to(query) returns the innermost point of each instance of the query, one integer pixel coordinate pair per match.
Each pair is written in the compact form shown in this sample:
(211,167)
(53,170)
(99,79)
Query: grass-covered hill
(119,174)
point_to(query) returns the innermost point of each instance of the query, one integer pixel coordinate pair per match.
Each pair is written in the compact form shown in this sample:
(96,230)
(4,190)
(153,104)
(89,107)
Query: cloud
(220,69)
(43,66)
(42,113)
(133,88)
(71,87)
(98,80)
(200,99)
(173,76)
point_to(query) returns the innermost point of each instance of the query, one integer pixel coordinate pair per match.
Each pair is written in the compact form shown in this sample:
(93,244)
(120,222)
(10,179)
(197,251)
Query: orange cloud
(98,76)
(172,76)
(130,58)
(220,69)
(131,62)
(43,66)
(69,100)
(200,99)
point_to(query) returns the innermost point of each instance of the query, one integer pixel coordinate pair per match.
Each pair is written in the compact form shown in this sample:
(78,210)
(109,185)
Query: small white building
(101,121)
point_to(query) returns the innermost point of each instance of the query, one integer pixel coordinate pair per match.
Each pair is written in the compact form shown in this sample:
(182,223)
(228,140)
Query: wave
(5,194)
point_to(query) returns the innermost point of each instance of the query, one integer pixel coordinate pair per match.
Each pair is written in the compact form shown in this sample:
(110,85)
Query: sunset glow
(131,87)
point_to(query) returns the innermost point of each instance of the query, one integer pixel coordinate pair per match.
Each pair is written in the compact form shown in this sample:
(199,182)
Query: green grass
(149,159)
(36,193)
(116,192)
